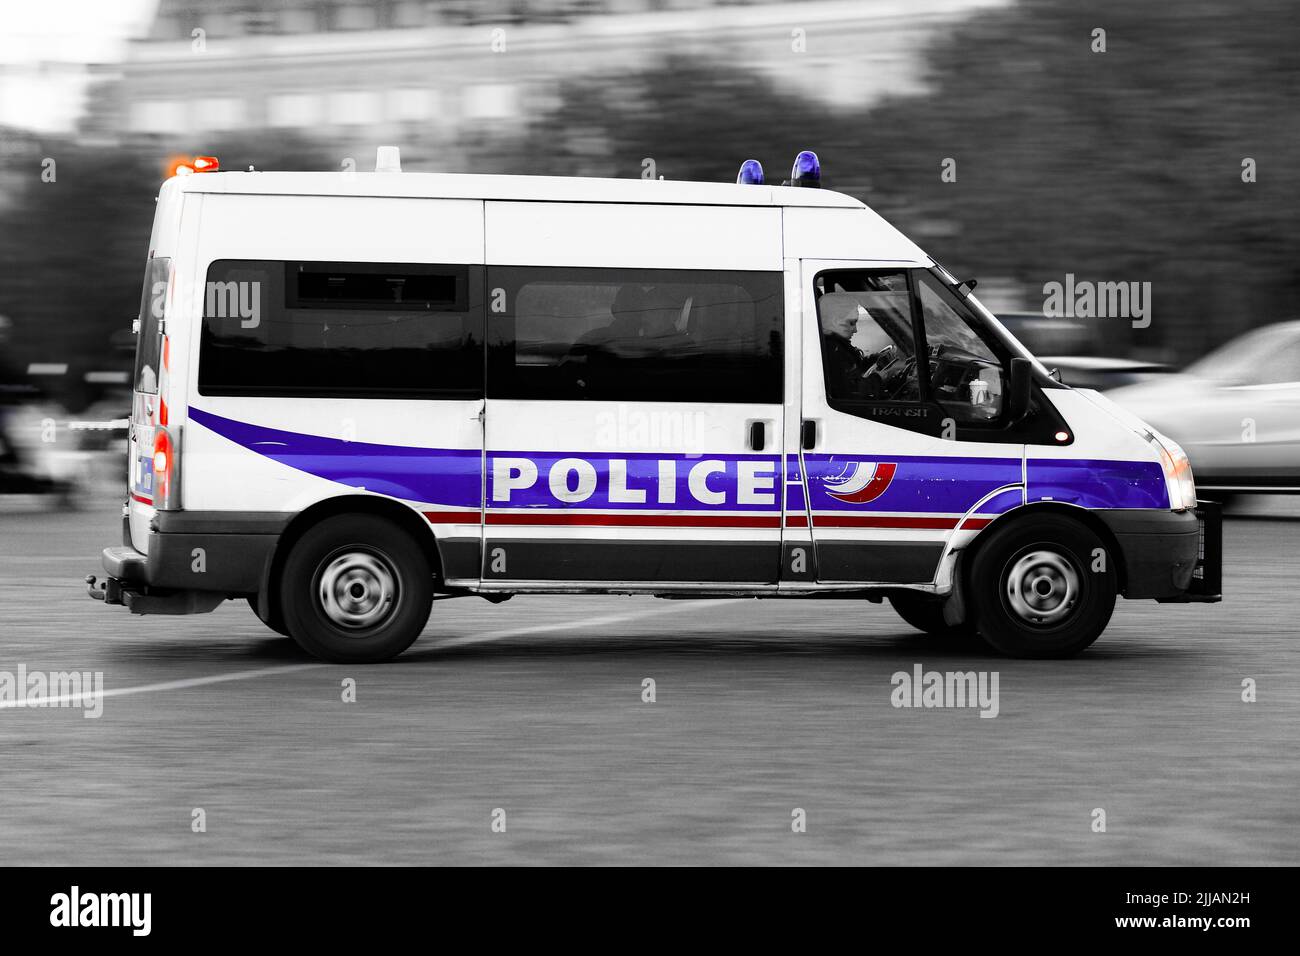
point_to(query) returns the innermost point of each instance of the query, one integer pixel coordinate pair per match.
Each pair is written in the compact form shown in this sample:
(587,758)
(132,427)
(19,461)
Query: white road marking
(291,668)
(165,685)
(585,622)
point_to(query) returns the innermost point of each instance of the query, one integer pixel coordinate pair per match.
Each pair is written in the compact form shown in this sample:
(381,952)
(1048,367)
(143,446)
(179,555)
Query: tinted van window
(342,329)
(635,335)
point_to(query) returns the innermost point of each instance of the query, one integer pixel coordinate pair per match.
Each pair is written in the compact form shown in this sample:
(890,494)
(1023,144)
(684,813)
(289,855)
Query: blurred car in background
(1049,336)
(1236,412)
(1070,346)
(1103,373)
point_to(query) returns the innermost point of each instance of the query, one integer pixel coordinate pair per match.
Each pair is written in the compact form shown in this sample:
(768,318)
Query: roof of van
(519,188)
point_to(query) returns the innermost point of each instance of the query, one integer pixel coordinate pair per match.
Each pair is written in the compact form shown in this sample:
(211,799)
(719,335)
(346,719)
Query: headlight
(1178,472)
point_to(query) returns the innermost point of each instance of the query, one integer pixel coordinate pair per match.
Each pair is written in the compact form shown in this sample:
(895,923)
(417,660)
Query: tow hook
(109,590)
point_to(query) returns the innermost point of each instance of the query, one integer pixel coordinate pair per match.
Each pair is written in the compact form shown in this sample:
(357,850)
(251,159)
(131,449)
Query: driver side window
(872,324)
(868,343)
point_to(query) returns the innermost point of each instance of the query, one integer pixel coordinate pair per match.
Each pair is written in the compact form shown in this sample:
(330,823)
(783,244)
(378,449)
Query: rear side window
(635,335)
(148,343)
(340,329)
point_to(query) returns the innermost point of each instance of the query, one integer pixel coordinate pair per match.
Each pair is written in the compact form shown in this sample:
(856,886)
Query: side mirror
(1021,388)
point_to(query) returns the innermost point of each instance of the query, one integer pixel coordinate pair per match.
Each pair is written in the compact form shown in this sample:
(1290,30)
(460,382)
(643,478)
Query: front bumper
(194,562)
(1170,556)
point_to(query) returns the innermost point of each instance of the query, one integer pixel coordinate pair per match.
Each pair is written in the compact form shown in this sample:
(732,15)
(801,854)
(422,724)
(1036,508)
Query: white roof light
(388,159)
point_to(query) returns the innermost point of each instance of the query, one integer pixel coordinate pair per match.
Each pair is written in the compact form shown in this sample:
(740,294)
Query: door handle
(809,436)
(757,436)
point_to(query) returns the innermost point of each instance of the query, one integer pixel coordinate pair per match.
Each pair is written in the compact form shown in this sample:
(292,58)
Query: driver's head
(839,315)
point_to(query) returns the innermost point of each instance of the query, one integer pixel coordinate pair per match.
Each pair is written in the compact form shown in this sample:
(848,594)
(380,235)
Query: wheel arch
(1073,512)
(405,517)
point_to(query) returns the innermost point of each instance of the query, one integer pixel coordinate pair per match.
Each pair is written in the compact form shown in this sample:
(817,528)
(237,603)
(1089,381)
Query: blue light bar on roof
(751,173)
(807,170)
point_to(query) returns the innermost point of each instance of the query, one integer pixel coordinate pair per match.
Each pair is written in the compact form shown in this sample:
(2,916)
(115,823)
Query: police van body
(358,392)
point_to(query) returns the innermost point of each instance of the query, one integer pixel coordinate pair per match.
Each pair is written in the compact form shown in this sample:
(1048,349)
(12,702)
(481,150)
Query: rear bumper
(191,566)
(1169,555)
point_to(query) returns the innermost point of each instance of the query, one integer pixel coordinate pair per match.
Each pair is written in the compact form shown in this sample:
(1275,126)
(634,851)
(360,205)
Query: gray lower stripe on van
(565,559)
(222,522)
(890,562)
(460,557)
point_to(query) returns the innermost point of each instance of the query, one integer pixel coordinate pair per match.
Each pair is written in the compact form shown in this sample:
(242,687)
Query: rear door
(145,391)
(338,349)
(634,408)
(148,388)
(902,420)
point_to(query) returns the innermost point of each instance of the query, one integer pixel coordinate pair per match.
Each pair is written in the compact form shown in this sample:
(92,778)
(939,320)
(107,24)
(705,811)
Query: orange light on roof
(184,165)
(174,165)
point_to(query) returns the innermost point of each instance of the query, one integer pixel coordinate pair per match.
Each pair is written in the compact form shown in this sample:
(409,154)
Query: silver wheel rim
(358,589)
(1042,588)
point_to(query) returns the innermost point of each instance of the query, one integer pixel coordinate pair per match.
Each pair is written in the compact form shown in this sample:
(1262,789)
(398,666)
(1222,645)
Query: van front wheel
(1044,587)
(273,620)
(926,614)
(356,589)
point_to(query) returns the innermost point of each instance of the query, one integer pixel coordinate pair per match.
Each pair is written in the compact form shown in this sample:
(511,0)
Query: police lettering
(708,481)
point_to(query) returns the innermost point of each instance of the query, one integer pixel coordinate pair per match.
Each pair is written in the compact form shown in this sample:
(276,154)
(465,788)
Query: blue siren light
(807,170)
(751,173)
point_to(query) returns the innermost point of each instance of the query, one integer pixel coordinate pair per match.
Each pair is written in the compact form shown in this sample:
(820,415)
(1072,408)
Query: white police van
(356,392)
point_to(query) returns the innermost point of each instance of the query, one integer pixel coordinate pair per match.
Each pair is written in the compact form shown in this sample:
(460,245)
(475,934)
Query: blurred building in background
(357,72)
(995,132)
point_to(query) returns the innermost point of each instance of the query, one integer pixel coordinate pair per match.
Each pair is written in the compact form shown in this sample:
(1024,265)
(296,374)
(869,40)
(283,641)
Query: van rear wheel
(356,589)
(1043,587)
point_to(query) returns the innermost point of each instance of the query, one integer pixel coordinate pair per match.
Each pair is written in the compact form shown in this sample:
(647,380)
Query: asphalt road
(534,707)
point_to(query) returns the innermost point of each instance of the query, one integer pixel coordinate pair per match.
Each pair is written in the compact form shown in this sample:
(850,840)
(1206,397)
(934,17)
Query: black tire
(1039,553)
(273,620)
(926,614)
(356,589)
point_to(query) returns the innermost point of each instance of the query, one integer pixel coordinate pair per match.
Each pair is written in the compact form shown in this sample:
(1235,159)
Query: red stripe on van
(452,517)
(701,521)
(140,498)
(890,521)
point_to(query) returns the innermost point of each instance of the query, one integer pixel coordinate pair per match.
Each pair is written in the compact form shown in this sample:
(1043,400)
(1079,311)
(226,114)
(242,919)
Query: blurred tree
(74,249)
(1117,166)
(688,117)
(1122,165)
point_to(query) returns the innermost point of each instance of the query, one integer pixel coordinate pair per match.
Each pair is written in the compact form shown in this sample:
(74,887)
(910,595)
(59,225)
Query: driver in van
(846,365)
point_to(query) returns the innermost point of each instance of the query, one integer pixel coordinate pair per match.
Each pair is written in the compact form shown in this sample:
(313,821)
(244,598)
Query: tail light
(166,470)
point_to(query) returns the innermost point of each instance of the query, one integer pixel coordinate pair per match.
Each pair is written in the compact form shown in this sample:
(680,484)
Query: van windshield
(990,321)
(148,345)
